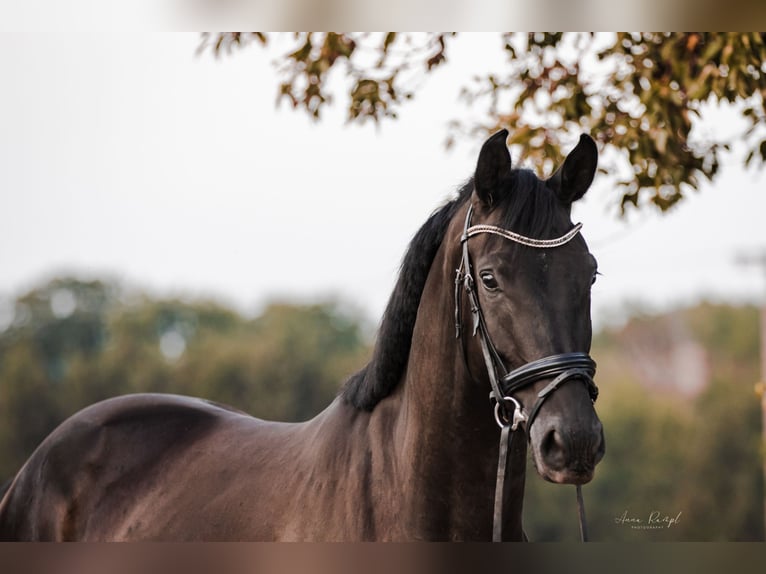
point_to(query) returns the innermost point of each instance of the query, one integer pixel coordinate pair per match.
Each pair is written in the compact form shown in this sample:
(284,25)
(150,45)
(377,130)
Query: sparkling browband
(523,240)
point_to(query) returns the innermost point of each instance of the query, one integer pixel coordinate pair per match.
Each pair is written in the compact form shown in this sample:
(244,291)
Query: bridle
(562,368)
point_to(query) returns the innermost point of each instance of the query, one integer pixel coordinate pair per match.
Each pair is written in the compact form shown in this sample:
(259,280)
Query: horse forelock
(530,207)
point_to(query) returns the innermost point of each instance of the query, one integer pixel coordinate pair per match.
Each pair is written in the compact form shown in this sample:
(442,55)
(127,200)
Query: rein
(565,367)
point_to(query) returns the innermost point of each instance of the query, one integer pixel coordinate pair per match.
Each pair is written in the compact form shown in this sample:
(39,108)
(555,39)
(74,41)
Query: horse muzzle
(564,453)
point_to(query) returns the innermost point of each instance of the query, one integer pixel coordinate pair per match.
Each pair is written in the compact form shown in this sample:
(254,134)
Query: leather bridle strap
(502,466)
(564,367)
(548,367)
(491,356)
(581,515)
(568,375)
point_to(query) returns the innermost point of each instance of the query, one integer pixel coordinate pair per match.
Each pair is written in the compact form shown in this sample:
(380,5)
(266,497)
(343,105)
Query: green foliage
(286,364)
(641,95)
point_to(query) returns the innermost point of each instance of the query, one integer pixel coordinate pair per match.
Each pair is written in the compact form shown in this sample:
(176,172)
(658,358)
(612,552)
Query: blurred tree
(725,451)
(287,364)
(639,94)
(53,326)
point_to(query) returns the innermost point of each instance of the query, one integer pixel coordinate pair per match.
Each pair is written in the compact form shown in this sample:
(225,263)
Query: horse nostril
(599,446)
(554,450)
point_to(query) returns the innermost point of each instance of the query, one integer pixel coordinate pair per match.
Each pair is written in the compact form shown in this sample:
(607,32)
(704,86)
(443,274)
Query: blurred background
(223,216)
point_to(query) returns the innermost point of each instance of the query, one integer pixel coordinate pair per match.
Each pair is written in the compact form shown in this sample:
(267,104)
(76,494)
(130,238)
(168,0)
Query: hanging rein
(565,367)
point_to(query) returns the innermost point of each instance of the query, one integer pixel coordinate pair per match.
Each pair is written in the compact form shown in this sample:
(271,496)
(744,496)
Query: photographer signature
(653,521)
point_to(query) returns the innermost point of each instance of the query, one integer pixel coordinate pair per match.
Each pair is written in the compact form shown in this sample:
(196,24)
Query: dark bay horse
(409,448)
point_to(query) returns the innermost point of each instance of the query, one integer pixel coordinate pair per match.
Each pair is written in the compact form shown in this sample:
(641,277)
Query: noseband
(562,368)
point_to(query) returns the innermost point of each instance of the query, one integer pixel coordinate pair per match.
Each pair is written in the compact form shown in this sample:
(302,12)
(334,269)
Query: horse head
(528,274)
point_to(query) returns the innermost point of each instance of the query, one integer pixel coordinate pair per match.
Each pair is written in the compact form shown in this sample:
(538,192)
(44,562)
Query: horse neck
(447,433)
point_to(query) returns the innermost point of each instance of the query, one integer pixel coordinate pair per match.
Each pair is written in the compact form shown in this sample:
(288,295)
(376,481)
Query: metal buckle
(519,416)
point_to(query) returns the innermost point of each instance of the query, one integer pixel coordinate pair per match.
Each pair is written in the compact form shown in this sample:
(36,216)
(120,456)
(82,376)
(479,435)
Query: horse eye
(595,276)
(489,281)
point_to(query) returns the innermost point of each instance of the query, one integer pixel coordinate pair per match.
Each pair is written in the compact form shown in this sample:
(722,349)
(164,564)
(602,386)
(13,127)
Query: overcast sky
(128,156)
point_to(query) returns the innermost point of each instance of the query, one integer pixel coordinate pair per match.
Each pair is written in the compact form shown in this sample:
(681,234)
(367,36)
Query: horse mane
(528,208)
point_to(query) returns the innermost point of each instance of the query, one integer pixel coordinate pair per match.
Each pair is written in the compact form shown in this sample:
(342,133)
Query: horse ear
(494,164)
(573,178)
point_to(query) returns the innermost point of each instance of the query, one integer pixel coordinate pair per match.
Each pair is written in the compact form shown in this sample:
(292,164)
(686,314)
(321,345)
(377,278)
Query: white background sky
(128,156)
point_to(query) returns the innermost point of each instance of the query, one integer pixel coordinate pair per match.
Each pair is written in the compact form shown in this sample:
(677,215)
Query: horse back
(95,464)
